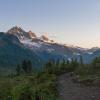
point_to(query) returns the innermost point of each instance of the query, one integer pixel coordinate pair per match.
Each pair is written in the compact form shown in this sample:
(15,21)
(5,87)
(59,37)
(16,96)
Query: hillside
(12,52)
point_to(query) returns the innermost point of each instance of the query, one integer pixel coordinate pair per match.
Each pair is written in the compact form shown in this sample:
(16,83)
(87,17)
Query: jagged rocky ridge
(17,45)
(48,49)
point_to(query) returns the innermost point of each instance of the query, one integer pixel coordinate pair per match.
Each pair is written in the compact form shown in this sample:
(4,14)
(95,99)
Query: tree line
(24,67)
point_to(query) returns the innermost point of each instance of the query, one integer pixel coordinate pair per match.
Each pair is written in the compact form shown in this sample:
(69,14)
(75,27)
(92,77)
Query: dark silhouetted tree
(81,61)
(37,96)
(27,66)
(18,69)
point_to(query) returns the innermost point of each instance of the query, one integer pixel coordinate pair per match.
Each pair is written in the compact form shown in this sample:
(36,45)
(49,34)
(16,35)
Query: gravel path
(73,91)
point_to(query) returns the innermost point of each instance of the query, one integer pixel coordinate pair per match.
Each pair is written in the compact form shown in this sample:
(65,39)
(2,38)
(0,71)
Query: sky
(75,22)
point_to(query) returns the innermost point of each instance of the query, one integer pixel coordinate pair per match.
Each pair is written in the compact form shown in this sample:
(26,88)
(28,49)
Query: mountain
(94,49)
(20,33)
(31,35)
(42,48)
(48,49)
(12,52)
(45,38)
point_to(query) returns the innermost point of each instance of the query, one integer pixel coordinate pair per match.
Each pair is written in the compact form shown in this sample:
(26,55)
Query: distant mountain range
(17,45)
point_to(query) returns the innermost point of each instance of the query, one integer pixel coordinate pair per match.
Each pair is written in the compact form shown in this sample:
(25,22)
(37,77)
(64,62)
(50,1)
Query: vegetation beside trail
(28,84)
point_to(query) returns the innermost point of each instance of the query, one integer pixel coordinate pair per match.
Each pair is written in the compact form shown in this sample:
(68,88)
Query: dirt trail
(73,91)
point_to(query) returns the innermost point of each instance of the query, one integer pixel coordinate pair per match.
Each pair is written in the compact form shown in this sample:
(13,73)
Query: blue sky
(74,22)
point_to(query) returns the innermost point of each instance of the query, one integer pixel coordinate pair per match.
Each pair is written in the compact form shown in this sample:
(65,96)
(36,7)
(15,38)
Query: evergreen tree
(18,69)
(24,66)
(27,66)
(76,64)
(58,63)
(48,66)
(37,96)
(96,64)
(73,64)
(81,61)
(68,62)
(63,65)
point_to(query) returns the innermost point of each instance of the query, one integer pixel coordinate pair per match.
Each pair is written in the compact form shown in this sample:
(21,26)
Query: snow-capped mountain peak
(21,34)
(18,32)
(44,47)
(15,30)
(32,34)
(44,37)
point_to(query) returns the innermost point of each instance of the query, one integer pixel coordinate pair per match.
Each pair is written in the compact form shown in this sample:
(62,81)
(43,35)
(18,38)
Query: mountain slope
(12,52)
(47,49)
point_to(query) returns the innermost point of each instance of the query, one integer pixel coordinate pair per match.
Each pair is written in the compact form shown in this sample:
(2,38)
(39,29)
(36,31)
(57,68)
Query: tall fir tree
(81,61)
(18,70)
